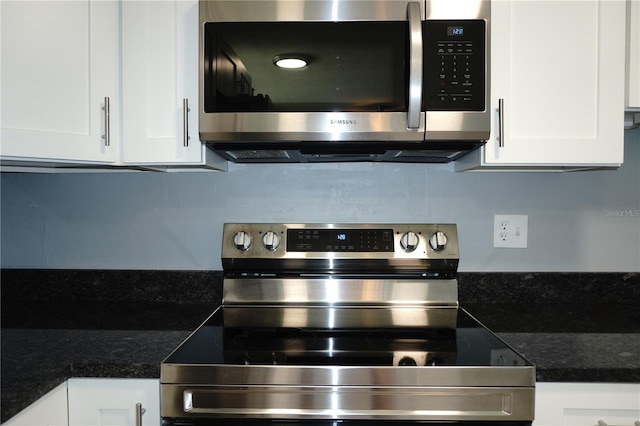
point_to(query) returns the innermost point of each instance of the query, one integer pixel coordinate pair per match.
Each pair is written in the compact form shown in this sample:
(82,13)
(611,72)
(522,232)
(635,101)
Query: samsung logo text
(622,213)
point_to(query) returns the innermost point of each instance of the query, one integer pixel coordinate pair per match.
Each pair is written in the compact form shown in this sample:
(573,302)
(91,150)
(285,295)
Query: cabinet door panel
(578,404)
(50,410)
(633,55)
(59,62)
(160,56)
(554,75)
(558,66)
(113,401)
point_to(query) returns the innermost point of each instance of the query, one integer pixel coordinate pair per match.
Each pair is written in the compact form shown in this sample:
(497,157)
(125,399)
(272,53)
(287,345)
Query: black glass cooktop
(465,342)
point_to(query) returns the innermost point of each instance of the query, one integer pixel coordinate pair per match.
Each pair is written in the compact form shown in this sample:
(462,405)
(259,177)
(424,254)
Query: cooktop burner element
(328,323)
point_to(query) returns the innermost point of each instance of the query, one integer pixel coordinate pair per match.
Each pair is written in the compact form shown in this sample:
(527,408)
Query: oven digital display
(340,240)
(455,31)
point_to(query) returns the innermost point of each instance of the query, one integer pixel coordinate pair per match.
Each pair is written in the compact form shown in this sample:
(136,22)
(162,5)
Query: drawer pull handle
(185,122)
(107,122)
(501,126)
(139,412)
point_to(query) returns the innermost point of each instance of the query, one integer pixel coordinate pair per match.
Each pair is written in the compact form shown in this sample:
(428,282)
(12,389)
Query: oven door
(362,80)
(311,405)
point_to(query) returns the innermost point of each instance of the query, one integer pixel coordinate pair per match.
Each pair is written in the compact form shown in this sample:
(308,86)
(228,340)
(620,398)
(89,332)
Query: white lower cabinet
(50,410)
(587,404)
(95,402)
(113,401)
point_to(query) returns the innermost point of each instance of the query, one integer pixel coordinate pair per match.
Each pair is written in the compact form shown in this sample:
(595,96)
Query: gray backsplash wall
(584,221)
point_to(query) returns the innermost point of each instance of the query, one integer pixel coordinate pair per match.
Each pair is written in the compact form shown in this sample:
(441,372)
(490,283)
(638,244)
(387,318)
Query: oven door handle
(415,66)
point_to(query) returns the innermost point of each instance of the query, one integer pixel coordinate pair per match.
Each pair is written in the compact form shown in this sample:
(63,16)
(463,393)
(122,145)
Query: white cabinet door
(113,401)
(160,85)
(633,55)
(582,404)
(558,66)
(50,410)
(59,64)
(632,101)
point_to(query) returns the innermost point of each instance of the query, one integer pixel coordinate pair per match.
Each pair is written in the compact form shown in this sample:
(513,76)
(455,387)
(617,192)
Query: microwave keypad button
(455,81)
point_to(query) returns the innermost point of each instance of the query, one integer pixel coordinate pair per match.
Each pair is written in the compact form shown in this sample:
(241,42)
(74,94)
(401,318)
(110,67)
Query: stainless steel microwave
(344,80)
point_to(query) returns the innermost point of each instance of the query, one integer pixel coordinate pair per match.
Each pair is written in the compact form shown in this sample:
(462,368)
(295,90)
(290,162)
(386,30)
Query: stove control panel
(366,242)
(335,240)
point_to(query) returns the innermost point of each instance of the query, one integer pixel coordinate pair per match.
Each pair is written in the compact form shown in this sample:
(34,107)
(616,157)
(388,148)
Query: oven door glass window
(343,66)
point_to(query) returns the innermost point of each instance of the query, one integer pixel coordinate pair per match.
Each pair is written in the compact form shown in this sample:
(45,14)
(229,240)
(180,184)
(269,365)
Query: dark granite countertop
(62,324)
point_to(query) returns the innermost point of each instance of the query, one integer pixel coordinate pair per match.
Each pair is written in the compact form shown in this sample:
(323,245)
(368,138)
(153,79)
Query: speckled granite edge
(206,286)
(580,357)
(549,287)
(111,285)
(36,361)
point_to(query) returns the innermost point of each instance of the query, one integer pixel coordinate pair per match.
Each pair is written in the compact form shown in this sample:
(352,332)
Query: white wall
(583,221)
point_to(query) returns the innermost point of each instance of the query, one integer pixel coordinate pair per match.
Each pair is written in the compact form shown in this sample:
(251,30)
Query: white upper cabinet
(160,86)
(632,101)
(557,68)
(59,67)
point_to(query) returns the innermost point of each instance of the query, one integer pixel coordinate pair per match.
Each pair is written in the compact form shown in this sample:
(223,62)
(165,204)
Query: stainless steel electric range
(340,324)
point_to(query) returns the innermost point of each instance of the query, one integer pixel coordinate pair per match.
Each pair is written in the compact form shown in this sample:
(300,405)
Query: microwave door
(362,78)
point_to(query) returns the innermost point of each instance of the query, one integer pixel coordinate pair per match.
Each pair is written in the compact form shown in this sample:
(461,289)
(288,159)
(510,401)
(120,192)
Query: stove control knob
(438,241)
(409,241)
(242,240)
(271,240)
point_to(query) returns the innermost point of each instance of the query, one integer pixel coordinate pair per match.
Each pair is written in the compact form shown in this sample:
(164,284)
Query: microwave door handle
(415,65)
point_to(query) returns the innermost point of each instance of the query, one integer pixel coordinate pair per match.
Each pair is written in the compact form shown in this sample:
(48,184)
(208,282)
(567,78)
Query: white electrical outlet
(510,231)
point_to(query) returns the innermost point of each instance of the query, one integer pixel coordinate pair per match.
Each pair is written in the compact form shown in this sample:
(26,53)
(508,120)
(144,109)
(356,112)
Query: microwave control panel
(455,65)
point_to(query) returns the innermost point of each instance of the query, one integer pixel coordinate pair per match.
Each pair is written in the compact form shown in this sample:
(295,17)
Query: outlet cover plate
(510,231)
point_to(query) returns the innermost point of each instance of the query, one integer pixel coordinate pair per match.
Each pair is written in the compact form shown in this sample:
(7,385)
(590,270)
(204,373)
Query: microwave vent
(428,153)
(343,156)
(251,154)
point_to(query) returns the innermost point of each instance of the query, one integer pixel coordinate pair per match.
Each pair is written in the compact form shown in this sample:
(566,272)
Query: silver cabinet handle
(139,412)
(185,122)
(107,122)
(501,122)
(415,65)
